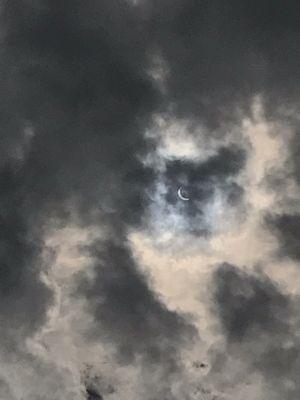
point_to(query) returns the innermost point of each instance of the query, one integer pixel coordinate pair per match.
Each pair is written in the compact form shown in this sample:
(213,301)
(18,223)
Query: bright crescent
(180,195)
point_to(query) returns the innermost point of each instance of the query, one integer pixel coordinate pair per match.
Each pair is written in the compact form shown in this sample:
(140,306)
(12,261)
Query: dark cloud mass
(222,53)
(85,102)
(79,95)
(259,326)
(227,162)
(76,72)
(248,304)
(287,228)
(20,264)
(129,314)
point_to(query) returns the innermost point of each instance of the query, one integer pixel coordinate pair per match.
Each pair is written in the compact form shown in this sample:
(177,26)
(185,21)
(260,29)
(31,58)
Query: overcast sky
(111,286)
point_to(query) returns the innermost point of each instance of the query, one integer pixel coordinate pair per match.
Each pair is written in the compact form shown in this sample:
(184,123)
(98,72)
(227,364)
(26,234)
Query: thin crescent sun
(181,196)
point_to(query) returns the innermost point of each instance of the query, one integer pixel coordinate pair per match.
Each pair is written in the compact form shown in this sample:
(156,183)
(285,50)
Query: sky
(111,286)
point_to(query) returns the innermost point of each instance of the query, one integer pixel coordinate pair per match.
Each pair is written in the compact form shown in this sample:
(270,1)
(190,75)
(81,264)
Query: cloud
(88,106)
(258,321)
(248,304)
(79,74)
(128,314)
(83,84)
(20,265)
(287,228)
(220,54)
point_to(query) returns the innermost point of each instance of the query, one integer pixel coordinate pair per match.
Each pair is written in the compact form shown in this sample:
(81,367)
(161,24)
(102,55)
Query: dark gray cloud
(222,53)
(260,323)
(77,73)
(21,264)
(287,228)
(87,105)
(129,314)
(227,162)
(85,99)
(247,303)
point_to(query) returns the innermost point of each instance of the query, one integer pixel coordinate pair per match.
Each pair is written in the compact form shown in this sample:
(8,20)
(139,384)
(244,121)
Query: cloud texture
(110,286)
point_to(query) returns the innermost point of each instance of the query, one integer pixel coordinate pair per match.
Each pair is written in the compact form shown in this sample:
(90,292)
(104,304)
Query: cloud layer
(111,287)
